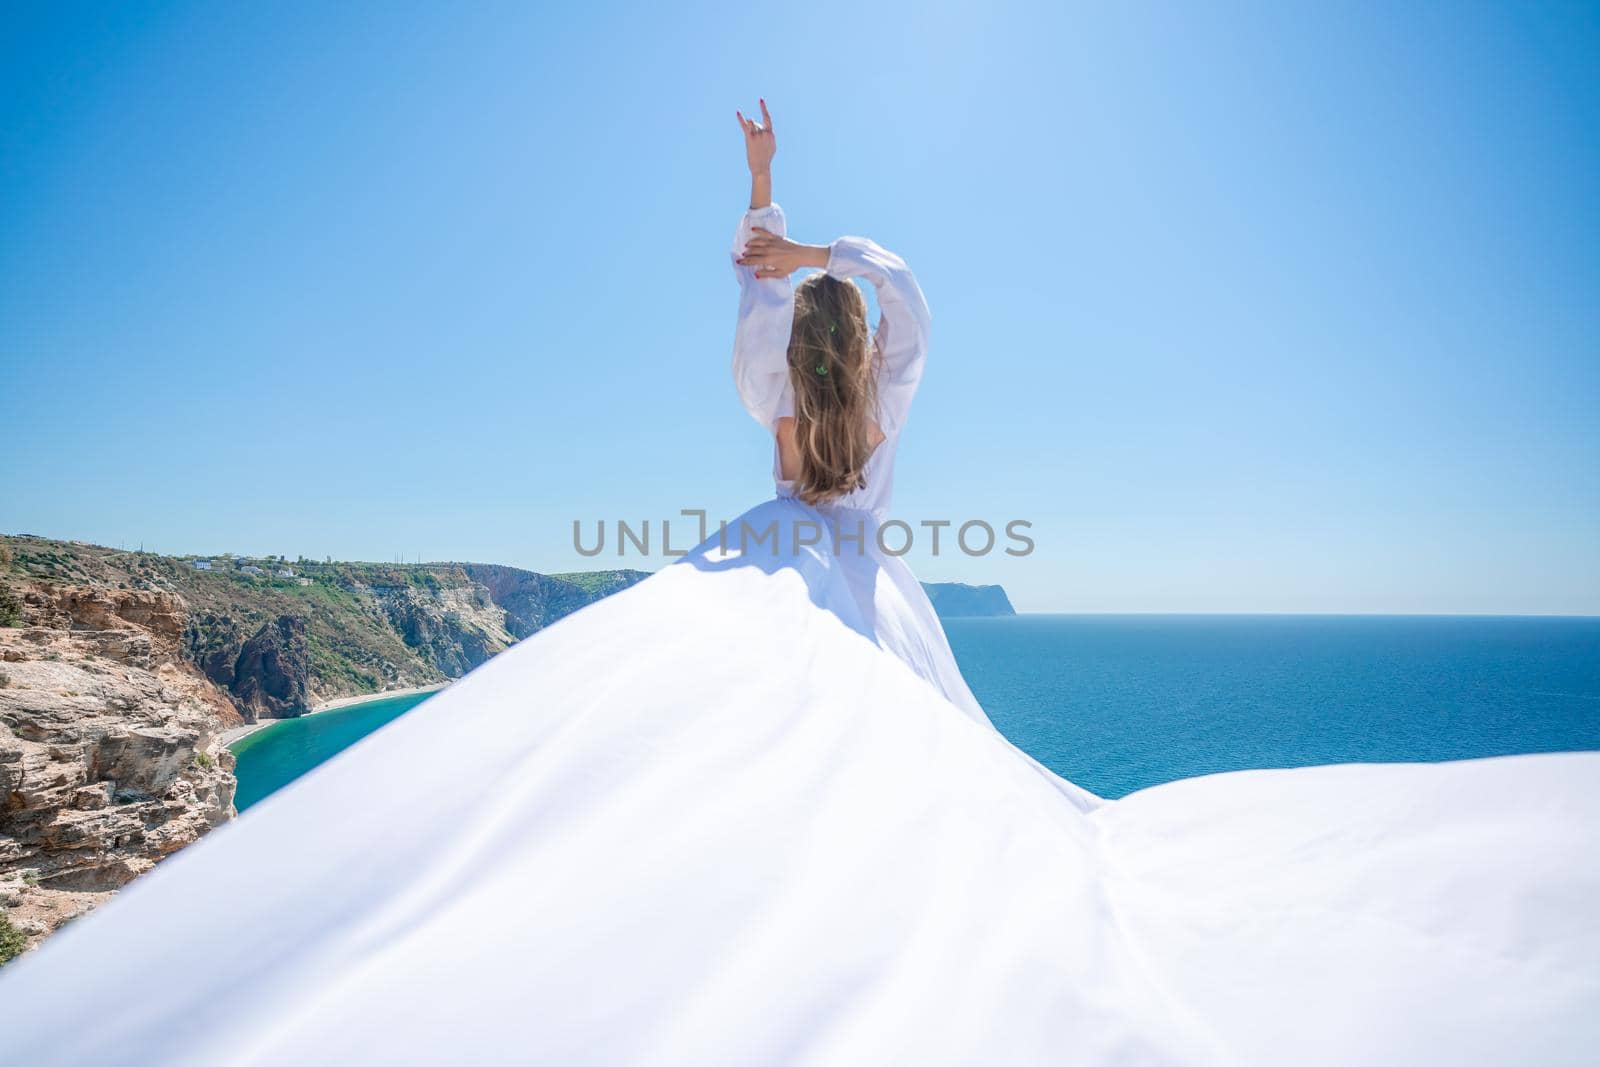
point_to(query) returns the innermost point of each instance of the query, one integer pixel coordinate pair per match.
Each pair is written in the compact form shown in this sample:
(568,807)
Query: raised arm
(763,259)
(766,315)
(903,322)
(766,299)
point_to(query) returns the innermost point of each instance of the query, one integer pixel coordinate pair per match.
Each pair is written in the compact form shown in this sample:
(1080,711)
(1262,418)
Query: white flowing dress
(747,813)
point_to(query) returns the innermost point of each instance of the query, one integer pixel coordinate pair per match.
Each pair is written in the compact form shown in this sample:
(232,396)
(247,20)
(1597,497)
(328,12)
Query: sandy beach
(230,736)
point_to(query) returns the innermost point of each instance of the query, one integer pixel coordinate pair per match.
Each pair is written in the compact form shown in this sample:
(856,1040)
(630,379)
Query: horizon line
(1134,613)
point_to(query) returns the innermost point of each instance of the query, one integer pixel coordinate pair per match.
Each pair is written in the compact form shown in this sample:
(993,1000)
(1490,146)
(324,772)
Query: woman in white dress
(746,812)
(835,396)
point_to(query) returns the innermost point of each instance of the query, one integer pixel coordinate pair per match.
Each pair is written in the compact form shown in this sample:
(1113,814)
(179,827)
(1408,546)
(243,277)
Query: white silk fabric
(713,820)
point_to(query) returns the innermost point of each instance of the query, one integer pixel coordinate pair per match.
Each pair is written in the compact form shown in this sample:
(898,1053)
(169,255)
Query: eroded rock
(110,754)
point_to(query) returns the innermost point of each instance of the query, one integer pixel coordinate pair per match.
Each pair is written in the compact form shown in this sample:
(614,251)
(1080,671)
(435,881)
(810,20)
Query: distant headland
(958,600)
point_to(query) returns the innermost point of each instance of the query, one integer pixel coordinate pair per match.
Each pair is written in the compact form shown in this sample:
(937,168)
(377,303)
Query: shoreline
(228,737)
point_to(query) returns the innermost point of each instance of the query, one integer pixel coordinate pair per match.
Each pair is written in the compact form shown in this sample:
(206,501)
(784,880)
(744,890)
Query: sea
(1120,703)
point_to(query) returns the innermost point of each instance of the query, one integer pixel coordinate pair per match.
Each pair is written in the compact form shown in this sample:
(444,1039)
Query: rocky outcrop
(524,596)
(957,600)
(454,628)
(269,679)
(268,674)
(533,601)
(110,754)
(213,643)
(159,615)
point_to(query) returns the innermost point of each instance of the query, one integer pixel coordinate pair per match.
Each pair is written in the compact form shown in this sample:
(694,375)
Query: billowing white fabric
(747,812)
(707,821)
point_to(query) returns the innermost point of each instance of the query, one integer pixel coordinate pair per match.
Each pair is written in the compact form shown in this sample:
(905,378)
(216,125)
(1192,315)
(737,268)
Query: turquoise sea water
(271,758)
(1117,703)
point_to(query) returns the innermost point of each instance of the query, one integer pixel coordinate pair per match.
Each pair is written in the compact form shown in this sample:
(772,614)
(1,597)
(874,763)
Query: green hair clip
(822,368)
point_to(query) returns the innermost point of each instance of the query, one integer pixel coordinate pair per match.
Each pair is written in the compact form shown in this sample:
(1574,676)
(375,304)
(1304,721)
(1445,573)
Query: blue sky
(1292,310)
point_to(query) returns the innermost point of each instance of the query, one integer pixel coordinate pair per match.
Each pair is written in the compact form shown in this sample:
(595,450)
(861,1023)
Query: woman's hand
(778,257)
(760,145)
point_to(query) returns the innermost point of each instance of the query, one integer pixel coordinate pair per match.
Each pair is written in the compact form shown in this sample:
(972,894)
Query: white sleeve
(766,315)
(902,337)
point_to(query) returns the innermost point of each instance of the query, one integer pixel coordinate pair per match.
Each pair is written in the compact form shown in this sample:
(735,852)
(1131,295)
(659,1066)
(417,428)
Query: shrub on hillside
(12,941)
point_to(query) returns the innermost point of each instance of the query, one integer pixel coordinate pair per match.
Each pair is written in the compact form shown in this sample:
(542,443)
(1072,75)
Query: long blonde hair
(830,368)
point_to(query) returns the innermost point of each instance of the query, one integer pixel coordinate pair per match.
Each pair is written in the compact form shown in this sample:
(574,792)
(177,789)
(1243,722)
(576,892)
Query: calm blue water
(1117,703)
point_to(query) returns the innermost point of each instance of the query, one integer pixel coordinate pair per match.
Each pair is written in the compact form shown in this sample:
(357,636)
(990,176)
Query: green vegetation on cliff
(12,940)
(278,635)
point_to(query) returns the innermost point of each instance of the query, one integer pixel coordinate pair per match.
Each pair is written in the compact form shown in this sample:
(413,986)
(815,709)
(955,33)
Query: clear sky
(1292,310)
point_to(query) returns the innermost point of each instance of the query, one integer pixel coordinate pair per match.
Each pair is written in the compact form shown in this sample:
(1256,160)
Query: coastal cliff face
(533,601)
(120,672)
(958,600)
(277,637)
(265,674)
(110,754)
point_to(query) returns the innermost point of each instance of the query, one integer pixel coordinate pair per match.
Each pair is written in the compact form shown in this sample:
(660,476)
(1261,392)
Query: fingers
(765,263)
(750,126)
(764,270)
(765,246)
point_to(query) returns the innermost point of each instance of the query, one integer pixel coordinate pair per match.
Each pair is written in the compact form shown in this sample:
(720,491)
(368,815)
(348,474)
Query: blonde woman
(834,394)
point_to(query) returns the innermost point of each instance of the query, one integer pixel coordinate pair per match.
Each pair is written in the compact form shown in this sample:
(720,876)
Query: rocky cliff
(278,637)
(110,754)
(120,671)
(533,601)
